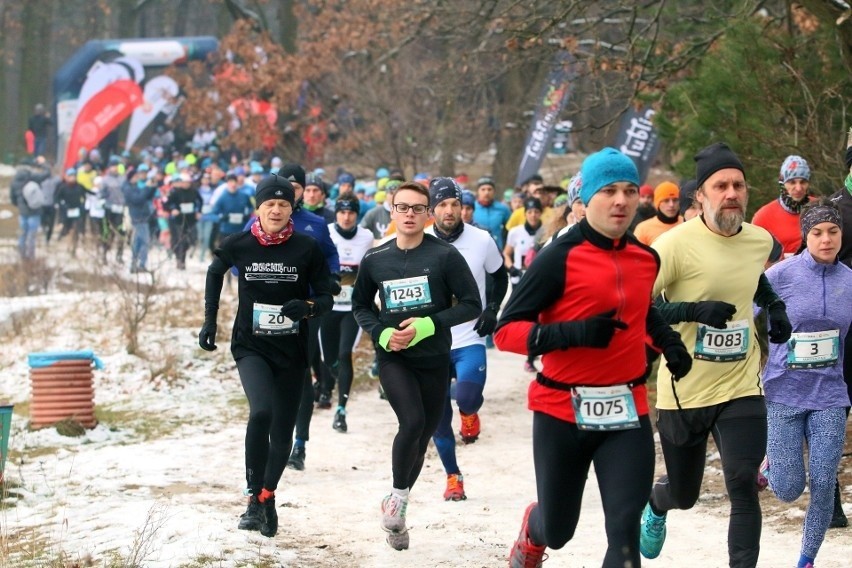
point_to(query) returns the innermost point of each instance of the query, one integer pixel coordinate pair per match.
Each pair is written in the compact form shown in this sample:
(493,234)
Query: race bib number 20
(267,320)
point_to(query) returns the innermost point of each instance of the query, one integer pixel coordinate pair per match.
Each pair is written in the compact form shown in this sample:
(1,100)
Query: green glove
(384,338)
(423,328)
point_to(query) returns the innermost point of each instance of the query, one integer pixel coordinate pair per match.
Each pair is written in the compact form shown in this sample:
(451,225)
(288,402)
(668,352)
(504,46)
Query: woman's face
(823,242)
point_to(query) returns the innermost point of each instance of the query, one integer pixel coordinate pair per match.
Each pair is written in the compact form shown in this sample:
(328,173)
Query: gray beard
(728,222)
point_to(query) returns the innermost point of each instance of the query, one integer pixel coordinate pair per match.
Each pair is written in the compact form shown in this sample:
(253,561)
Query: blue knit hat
(603,168)
(794,167)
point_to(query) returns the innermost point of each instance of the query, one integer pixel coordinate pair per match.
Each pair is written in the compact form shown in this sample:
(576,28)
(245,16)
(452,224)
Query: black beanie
(441,188)
(713,158)
(293,172)
(347,202)
(848,158)
(687,195)
(274,187)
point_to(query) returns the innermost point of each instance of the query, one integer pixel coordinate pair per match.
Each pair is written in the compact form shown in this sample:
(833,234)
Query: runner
(424,288)
(584,305)
(806,396)
(340,333)
(781,216)
(667,204)
(722,394)
(467,355)
(283,278)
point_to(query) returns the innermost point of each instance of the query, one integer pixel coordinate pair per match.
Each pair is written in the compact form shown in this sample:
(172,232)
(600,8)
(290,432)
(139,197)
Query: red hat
(646,191)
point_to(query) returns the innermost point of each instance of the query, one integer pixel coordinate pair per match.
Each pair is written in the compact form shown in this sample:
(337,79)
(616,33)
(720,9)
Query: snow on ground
(173,498)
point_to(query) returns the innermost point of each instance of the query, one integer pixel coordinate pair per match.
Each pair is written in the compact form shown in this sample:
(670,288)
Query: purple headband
(813,216)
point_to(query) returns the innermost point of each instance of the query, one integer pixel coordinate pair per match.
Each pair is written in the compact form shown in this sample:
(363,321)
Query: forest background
(417,84)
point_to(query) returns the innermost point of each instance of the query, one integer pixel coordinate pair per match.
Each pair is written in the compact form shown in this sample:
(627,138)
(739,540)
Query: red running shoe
(455,488)
(525,553)
(470,427)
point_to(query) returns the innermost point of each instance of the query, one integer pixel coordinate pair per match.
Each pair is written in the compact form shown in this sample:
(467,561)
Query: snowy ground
(158,483)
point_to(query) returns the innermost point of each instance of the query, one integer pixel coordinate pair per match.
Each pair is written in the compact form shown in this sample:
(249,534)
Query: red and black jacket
(579,275)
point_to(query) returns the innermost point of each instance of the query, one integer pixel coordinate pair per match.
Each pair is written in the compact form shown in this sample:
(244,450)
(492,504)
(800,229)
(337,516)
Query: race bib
(116,208)
(811,350)
(73,213)
(187,208)
(345,297)
(407,294)
(235,218)
(267,320)
(205,209)
(604,408)
(722,345)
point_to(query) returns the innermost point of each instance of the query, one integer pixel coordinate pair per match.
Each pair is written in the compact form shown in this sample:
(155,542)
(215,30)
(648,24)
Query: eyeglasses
(418,209)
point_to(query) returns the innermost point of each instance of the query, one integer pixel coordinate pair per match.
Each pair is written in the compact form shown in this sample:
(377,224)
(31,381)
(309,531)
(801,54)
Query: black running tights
(273,394)
(416,392)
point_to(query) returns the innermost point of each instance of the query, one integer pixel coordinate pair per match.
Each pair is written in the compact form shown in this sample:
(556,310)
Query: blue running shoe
(652,533)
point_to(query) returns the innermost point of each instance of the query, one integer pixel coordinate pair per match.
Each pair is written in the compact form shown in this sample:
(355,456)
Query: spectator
(39,124)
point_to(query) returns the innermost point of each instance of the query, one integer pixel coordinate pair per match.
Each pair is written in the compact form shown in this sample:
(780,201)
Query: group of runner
(429,293)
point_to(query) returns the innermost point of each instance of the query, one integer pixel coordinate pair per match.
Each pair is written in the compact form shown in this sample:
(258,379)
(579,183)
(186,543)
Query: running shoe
(297,458)
(455,488)
(838,518)
(652,533)
(525,553)
(252,519)
(470,427)
(339,423)
(393,513)
(269,526)
(398,541)
(529,367)
(324,401)
(763,474)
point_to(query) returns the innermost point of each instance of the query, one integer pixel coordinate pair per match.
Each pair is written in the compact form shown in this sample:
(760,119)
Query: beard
(727,220)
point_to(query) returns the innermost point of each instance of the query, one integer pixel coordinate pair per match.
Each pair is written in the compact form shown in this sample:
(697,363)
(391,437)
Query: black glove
(596,331)
(487,322)
(514,272)
(295,309)
(207,336)
(336,288)
(713,313)
(678,360)
(779,325)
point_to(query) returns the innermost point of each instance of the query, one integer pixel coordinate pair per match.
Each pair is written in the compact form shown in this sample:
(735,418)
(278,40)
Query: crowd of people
(424,266)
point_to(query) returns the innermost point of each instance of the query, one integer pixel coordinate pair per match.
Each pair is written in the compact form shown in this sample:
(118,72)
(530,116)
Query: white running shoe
(393,513)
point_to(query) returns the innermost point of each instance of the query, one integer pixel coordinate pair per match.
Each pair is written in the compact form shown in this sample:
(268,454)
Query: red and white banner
(100,115)
(159,92)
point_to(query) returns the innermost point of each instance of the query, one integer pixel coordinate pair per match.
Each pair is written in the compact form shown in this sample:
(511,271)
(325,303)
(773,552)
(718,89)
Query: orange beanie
(665,190)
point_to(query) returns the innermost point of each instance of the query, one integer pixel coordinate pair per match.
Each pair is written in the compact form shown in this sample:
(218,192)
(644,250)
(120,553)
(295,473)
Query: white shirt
(483,257)
(521,241)
(350,252)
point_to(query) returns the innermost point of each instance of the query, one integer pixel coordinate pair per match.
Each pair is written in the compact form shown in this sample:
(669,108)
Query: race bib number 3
(604,408)
(407,294)
(722,345)
(812,350)
(267,320)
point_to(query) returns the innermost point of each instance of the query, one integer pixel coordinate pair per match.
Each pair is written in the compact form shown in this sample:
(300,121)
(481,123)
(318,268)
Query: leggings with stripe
(825,433)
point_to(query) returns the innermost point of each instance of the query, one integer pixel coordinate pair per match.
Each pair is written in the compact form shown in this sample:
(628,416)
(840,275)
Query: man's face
(646,200)
(723,198)
(313,196)
(485,194)
(409,223)
(344,187)
(232,185)
(274,214)
(448,215)
(578,210)
(467,214)
(345,219)
(298,188)
(669,207)
(533,216)
(612,208)
(797,188)
(545,197)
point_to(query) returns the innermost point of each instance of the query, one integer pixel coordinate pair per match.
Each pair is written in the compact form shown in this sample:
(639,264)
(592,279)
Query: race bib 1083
(722,345)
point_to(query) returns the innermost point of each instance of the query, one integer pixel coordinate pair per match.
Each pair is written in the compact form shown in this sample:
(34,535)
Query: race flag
(553,98)
(637,138)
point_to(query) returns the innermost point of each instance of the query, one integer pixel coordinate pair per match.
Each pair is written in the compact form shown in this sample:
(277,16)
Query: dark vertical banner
(637,138)
(552,100)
